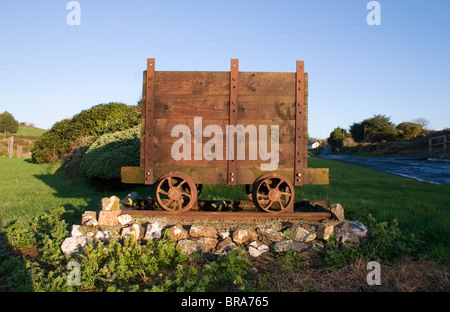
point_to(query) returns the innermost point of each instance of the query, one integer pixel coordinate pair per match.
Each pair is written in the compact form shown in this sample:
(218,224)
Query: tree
(409,130)
(424,123)
(380,128)
(8,123)
(336,138)
(357,131)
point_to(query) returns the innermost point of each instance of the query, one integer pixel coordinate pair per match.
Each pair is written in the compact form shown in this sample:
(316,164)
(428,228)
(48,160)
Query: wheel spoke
(267,184)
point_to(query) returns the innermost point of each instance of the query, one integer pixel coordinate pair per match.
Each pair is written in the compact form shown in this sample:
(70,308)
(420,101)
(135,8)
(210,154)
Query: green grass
(421,208)
(30,131)
(28,190)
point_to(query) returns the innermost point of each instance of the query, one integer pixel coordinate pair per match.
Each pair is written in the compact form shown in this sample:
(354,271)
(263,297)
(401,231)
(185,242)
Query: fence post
(445,146)
(430,147)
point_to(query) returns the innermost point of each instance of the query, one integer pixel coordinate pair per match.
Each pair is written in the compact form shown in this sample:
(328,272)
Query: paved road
(418,169)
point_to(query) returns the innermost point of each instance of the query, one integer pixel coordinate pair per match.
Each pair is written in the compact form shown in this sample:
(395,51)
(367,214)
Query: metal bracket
(149,116)
(299,124)
(231,173)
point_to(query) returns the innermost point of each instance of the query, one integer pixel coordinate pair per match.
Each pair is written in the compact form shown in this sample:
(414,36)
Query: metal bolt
(232,174)
(299,174)
(232,179)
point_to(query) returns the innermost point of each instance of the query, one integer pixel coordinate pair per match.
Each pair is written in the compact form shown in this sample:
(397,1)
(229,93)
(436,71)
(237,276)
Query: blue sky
(50,70)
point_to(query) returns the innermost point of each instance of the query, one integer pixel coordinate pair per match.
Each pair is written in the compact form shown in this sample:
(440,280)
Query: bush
(409,130)
(56,143)
(336,138)
(110,152)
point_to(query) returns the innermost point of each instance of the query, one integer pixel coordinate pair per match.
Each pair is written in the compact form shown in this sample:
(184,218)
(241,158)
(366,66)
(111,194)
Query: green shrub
(387,241)
(56,143)
(110,152)
(8,123)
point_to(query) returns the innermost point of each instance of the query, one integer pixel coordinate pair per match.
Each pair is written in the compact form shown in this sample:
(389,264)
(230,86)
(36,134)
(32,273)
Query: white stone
(188,246)
(103,235)
(256,249)
(223,235)
(76,231)
(132,230)
(153,231)
(309,237)
(72,245)
(298,233)
(125,219)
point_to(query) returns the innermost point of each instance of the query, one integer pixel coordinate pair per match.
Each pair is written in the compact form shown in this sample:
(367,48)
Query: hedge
(56,143)
(110,152)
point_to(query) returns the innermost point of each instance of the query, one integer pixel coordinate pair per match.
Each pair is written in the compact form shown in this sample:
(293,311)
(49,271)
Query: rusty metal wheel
(272,192)
(176,192)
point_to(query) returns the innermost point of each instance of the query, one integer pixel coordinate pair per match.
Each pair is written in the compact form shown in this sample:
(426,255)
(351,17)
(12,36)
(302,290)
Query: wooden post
(10,146)
(430,147)
(445,146)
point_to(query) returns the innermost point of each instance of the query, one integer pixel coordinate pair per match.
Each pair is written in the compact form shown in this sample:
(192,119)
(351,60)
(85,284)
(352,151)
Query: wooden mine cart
(224,128)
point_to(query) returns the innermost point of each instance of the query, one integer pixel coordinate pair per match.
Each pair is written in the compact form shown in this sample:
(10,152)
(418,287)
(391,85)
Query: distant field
(25,137)
(28,190)
(30,131)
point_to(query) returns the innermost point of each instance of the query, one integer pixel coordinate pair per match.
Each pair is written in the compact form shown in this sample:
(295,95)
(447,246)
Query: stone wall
(213,236)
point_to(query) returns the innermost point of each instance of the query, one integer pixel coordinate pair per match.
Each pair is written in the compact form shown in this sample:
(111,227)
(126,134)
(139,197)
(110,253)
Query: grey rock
(270,235)
(298,233)
(337,212)
(153,231)
(206,244)
(225,246)
(289,245)
(103,235)
(188,246)
(351,232)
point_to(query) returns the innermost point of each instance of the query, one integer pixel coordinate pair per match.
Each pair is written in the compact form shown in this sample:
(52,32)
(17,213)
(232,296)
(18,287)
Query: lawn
(28,190)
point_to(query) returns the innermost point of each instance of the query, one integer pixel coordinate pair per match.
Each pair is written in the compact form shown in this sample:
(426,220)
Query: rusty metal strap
(299,124)
(231,174)
(148,117)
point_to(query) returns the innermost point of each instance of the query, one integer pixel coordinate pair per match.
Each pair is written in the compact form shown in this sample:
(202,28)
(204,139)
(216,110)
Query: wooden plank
(163,128)
(135,175)
(316,176)
(190,106)
(163,157)
(264,83)
(267,107)
(132,175)
(192,83)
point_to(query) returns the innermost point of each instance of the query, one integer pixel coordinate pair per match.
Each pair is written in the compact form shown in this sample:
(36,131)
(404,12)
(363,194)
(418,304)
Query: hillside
(25,137)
